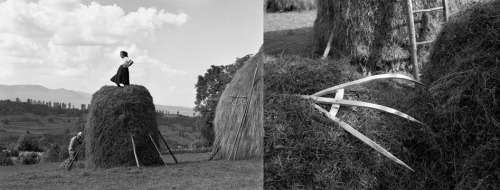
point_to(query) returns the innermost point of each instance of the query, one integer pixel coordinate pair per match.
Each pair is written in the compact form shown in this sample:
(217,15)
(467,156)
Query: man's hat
(79,134)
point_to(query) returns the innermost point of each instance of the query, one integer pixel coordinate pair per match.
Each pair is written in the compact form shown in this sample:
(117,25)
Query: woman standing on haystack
(122,73)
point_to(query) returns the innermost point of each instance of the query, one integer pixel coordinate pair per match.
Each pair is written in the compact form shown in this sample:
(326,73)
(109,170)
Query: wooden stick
(445,10)
(168,147)
(425,42)
(135,154)
(328,46)
(157,148)
(413,40)
(428,10)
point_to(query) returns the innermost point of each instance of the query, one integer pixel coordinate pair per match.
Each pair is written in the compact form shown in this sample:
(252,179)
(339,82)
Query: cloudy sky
(75,44)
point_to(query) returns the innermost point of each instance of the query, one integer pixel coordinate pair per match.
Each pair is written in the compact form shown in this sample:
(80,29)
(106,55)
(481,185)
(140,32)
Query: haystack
(306,150)
(375,32)
(464,80)
(115,115)
(238,122)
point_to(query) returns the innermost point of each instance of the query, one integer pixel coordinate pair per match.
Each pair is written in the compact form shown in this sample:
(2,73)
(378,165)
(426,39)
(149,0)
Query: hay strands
(245,117)
(164,141)
(362,137)
(364,80)
(157,148)
(335,101)
(135,154)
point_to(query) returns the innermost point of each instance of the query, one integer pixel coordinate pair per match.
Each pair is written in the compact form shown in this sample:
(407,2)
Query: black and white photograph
(382,94)
(111,94)
(250,94)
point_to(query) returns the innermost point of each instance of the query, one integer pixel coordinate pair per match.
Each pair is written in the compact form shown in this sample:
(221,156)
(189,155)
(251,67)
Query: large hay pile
(238,122)
(116,114)
(306,150)
(375,32)
(464,83)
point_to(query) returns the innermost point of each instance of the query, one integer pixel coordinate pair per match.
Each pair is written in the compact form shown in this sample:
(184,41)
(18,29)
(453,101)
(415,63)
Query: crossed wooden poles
(133,147)
(164,141)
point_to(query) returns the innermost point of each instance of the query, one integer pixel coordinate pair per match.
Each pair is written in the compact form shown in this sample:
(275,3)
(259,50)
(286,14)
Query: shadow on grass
(289,42)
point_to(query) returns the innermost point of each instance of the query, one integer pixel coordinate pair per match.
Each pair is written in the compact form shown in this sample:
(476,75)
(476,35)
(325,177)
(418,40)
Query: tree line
(40,107)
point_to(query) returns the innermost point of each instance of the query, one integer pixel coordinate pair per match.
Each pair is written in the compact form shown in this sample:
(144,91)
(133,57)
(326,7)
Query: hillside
(38,92)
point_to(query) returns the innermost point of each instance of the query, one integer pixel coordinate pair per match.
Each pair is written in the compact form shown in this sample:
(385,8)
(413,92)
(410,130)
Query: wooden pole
(328,46)
(135,154)
(157,148)
(445,10)
(168,147)
(413,40)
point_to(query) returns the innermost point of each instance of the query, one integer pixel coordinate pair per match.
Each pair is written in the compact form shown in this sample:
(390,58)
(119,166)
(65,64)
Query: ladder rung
(425,42)
(427,10)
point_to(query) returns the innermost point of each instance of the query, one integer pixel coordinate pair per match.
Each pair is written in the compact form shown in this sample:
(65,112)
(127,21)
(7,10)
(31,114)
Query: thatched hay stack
(375,32)
(116,114)
(238,122)
(464,81)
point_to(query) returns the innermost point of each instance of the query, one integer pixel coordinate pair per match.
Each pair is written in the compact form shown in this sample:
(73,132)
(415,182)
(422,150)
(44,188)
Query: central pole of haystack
(413,40)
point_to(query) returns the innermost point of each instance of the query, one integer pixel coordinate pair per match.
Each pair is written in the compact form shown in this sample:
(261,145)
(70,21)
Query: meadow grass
(191,173)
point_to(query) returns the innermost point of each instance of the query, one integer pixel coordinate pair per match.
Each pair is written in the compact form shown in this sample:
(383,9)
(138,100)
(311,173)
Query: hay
(239,114)
(114,115)
(306,150)
(374,32)
(464,85)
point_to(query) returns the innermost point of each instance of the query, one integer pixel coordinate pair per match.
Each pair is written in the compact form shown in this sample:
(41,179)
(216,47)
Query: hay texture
(116,114)
(375,33)
(239,114)
(464,82)
(306,150)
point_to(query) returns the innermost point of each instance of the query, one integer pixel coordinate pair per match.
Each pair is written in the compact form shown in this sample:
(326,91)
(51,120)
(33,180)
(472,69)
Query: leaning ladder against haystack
(338,100)
(411,33)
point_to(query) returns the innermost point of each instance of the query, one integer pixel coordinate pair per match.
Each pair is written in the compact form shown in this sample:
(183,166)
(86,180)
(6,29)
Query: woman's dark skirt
(121,76)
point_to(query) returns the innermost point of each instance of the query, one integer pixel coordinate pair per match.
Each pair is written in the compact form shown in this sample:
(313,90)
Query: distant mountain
(38,92)
(77,98)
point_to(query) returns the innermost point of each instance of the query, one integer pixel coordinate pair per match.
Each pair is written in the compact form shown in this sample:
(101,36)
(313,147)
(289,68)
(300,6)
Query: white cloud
(68,38)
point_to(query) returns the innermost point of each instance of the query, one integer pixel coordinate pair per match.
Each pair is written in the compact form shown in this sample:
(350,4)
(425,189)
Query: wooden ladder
(411,31)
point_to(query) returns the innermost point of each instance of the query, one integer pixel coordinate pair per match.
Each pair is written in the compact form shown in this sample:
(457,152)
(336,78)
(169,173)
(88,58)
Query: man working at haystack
(75,142)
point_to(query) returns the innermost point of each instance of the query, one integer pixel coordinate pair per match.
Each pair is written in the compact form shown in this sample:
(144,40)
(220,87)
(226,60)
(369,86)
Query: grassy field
(192,172)
(38,125)
(289,33)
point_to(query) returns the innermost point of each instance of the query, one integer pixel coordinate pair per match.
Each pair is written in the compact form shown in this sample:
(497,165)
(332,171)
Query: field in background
(289,33)
(179,131)
(192,172)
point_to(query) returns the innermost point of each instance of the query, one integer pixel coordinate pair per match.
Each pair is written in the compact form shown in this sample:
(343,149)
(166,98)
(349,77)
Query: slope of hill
(38,92)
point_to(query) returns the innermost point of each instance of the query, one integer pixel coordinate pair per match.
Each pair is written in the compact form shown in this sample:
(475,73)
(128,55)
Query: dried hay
(464,85)
(305,149)
(116,114)
(238,122)
(375,33)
